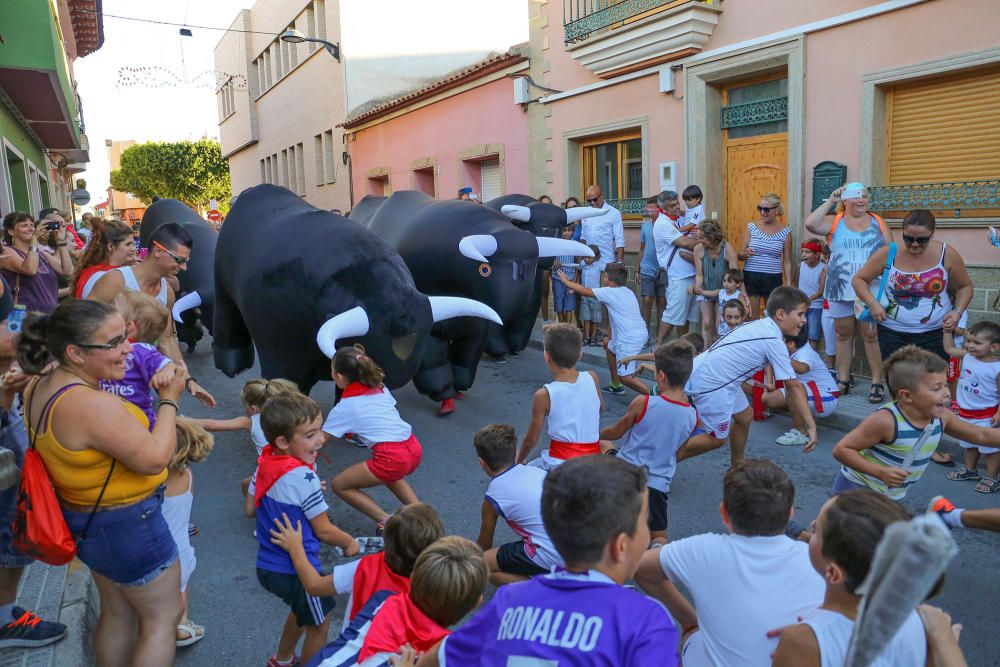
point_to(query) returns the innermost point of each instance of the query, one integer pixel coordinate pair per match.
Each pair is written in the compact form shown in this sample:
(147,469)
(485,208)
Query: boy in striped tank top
(978,396)
(572,403)
(889,450)
(658,429)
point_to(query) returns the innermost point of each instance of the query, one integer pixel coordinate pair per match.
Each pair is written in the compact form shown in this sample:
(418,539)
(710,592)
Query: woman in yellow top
(89,438)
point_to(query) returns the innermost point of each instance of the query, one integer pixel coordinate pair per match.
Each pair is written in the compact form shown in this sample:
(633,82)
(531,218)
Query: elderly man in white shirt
(670,242)
(606,231)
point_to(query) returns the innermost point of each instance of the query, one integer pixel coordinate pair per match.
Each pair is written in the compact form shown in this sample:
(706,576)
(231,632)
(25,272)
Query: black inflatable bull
(542,220)
(297,282)
(196,298)
(458,248)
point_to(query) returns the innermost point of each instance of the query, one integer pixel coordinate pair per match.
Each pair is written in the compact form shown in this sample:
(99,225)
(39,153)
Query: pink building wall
(441,131)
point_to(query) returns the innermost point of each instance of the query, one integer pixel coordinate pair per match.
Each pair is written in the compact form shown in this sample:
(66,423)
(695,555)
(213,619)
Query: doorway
(754,122)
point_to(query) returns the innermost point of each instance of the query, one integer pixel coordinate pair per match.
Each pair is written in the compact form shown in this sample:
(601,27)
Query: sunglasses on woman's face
(766,209)
(918,240)
(112,344)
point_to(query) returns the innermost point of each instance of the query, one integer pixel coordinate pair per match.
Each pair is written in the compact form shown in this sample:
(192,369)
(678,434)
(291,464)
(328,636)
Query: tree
(192,171)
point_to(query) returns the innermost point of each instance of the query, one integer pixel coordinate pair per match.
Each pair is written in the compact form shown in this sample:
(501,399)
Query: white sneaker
(792,438)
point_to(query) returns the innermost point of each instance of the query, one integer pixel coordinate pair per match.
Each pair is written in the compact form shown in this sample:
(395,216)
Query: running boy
(448,582)
(572,403)
(657,428)
(978,397)
(718,372)
(890,449)
(590,308)
(514,493)
(628,332)
(595,510)
(407,533)
(286,483)
(811,279)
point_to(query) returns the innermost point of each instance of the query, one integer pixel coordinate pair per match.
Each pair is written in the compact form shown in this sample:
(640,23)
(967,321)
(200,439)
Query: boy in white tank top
(572,403)
(842,546)
(658,429)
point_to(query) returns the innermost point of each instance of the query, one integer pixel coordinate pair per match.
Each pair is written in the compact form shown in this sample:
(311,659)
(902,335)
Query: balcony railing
(969,195)
(630,207)
(583,18)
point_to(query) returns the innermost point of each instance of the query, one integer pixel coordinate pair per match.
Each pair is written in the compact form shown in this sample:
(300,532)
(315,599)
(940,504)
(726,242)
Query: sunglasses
(112,344)
(919,240)
(766,209)
(593,200)
(180,260)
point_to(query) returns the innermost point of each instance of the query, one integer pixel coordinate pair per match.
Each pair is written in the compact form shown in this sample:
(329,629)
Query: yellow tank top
(79,475)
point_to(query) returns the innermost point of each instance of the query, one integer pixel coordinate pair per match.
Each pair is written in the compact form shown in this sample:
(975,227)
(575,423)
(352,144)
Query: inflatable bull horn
(186,302)
(575,214)
(480,247)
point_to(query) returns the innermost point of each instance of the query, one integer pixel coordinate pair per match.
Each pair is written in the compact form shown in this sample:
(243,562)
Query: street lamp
(294,36)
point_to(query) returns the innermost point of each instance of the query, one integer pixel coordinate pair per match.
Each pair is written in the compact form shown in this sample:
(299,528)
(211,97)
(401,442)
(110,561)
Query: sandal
(963,474)
(195,633)
(876,394)
(843,387)
(943,459)
(988,485)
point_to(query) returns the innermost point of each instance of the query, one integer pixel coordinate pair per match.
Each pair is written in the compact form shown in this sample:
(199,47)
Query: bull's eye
(485,270)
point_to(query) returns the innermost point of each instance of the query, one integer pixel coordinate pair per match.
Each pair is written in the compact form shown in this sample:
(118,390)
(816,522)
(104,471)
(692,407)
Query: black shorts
(308,609)
(889,341)
(513,560)
(657,510)
(761,284)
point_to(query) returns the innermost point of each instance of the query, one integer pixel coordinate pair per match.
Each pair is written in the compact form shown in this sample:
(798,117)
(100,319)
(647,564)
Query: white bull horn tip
(348,324)
(478,247)
(447,307)
(578,213)
(516,212)
(186,302)
(553,247)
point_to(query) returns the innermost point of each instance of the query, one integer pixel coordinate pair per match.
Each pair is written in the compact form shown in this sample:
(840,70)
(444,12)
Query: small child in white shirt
(693,199)
(732,290)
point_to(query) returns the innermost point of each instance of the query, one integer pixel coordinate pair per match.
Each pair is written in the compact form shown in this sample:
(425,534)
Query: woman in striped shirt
(767,253)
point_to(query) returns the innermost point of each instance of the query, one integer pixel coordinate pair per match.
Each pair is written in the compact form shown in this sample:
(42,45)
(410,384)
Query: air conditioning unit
(521,95)
(666,80)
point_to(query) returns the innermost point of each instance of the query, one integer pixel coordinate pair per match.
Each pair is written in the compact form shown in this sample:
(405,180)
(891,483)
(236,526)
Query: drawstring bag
(40,530)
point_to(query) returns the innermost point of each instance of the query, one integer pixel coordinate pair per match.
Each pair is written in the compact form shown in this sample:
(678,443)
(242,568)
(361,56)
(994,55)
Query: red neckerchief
(271,466)
(358,389)
(371,576)
(400,622)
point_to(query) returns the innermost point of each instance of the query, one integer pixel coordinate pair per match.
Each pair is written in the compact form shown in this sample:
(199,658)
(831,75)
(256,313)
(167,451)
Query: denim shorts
(814,323)
(564,300)
(653,285)
(590,309)
(129,545)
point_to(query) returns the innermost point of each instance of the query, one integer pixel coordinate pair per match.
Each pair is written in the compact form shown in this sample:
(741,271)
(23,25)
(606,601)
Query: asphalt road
(243,621)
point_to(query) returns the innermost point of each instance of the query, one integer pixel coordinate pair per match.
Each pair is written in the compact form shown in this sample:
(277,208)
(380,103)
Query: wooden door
(753,166)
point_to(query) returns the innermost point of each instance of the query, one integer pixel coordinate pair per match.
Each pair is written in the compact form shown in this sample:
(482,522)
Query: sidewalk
(851,409)
(66,594)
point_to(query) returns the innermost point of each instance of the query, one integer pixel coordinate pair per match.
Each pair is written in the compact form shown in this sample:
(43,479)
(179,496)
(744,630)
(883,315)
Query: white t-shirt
(742,587)
(516,495)
(833,631)
(695,214)
(817,372)
(664,235)
(371,416)
(606,231)
(737,356)
(628,331)
(257,433)
(809,281)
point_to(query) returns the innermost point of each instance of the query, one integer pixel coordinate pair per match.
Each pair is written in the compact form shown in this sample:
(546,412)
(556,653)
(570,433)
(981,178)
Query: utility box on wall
(827,177)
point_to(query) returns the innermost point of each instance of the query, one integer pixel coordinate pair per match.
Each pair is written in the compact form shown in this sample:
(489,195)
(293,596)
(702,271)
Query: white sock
(954,518)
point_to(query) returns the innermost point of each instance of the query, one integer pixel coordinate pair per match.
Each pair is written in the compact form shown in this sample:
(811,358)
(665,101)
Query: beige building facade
(122,205)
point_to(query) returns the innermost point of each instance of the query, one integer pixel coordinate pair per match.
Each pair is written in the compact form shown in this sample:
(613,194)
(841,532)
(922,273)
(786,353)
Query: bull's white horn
(519,213)
(549,247)
(446,307)
(186,302)
(478,247)
(578,213)
(350,323)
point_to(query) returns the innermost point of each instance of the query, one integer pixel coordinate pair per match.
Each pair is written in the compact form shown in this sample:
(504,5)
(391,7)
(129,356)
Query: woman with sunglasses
(853,234)
(108,472)
(919,309)
(767,254)
(31,269)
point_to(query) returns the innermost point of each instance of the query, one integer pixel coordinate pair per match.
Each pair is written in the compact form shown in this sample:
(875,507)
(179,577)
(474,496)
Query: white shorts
(546,462)
(839,309)
(681,306)
(982,450)
(716,409)
(622,350)
(829,334)
(829,403)
(693,651)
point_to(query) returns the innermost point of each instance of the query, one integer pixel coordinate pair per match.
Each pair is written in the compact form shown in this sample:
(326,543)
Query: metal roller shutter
(944,129)
(491,174)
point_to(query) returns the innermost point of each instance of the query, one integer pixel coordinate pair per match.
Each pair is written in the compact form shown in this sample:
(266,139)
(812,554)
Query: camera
(52,226)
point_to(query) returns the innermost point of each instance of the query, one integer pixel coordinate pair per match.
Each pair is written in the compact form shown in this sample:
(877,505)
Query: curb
(78,611)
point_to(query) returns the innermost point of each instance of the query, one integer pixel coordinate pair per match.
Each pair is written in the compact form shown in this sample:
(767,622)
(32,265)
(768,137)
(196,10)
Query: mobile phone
(15,318)
(52,226)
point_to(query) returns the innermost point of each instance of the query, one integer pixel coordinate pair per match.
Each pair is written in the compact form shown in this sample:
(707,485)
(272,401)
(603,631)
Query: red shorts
(392,461)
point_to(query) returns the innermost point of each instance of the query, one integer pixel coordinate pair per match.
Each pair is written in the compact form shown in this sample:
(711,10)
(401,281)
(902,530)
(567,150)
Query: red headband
(813,245)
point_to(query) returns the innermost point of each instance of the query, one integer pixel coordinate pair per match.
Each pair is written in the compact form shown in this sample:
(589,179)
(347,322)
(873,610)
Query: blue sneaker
(27,631)
(618,389)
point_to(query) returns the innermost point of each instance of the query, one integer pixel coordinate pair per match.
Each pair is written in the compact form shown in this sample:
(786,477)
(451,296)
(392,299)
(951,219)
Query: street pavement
(243,621)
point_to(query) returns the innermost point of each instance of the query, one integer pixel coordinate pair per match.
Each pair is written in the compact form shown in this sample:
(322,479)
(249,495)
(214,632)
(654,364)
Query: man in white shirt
(670,246)
(606,231)
(742,584)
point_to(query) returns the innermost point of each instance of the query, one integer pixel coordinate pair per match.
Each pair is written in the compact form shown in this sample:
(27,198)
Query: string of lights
(170,23)
(157,76)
